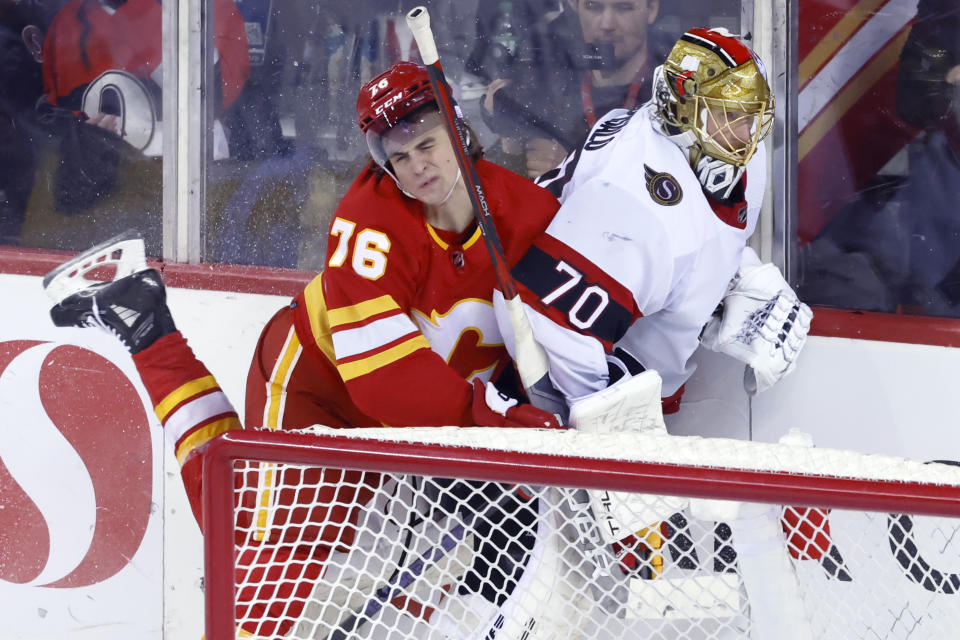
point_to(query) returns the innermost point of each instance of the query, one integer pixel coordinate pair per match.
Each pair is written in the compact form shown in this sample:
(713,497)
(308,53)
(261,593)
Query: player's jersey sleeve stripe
(361,311)
(357,368)
(182,393)
(380,332)
(195,412)
(592,303)
(204,433)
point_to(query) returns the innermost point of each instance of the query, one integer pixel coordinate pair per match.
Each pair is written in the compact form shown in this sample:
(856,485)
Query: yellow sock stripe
(654,541)
(205,434)
(276,398)
(183,392)
(264,491)
(362,311)
(358,368)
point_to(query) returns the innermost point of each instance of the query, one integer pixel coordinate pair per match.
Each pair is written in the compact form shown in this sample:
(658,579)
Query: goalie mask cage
(514,534)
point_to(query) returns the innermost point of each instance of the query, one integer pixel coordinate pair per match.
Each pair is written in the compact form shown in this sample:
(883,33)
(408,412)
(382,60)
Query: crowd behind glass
(81,119)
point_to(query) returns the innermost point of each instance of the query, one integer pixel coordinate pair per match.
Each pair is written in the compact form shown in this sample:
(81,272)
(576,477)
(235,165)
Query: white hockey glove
(761,323)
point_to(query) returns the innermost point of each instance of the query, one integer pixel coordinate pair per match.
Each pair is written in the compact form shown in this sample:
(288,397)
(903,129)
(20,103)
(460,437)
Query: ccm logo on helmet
(388,102)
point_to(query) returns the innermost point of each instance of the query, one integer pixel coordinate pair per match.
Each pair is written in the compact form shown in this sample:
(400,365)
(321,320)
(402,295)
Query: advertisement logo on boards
(76,466)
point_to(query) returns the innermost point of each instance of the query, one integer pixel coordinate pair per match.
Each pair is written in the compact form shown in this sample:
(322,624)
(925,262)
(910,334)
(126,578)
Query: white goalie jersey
(637,257)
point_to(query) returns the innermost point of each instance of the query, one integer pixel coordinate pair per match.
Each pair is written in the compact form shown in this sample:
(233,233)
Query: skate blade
(125,252)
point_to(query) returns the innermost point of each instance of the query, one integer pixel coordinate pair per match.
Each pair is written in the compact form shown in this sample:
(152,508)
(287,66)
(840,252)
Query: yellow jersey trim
(361,311)
(205,434)
(358,368)
(183,392)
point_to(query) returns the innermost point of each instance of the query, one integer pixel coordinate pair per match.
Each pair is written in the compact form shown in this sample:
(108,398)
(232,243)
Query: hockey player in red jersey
(657,208)
(399,329)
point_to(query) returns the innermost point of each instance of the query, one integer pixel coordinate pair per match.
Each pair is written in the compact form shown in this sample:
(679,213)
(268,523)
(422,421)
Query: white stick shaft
(531,360)
(418,19)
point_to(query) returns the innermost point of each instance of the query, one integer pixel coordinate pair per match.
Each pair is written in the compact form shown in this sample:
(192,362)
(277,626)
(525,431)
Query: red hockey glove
(494,409)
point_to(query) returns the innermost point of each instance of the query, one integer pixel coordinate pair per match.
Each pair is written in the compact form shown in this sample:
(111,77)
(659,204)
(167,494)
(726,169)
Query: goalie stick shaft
(531,359)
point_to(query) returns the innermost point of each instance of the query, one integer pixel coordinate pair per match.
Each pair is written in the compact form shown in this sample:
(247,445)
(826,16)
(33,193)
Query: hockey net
(510,534)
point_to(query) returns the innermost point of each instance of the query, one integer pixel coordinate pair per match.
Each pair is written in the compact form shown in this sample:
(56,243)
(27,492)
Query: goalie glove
(491,408)
(762,323)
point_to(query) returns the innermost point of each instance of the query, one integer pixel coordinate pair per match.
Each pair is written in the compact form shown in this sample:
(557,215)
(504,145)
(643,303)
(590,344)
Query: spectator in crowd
(98,162)
(897,246)
(89,38)
(582,59)
(23,24)
(927,97)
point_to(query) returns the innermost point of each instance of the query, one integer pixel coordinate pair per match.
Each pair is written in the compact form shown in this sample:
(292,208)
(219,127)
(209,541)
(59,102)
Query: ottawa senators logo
(663,187)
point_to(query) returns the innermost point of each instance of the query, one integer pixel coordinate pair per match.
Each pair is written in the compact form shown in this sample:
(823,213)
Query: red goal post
(480,532)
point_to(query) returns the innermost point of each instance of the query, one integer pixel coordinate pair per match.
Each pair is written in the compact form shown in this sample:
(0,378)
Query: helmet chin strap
(397,181)
(456,181)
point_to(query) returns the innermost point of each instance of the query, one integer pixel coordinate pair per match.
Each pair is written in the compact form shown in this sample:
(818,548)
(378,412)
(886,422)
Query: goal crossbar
(878,483)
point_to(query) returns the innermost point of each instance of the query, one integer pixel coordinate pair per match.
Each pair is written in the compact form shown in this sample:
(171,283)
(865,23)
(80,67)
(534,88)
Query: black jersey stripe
(538,272)
(556,179)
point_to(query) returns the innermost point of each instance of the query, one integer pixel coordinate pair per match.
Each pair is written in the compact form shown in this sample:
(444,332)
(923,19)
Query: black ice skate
(132,306)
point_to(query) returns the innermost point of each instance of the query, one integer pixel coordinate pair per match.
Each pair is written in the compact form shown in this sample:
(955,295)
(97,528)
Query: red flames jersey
(401,317)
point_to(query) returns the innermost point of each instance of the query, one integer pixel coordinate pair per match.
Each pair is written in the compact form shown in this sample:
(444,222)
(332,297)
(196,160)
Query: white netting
(325,553)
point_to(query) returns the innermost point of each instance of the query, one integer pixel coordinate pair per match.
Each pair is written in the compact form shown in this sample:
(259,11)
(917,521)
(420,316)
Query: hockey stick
(531,359)
(400,581)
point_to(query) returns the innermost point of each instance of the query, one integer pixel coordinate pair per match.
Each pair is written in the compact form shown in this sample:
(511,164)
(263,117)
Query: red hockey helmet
(392,95)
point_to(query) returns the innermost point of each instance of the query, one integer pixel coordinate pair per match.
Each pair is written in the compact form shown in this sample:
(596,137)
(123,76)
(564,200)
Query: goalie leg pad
(631,404)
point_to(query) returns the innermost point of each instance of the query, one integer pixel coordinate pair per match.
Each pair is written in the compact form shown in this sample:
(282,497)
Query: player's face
(622,23)
(425,165)
(729,128)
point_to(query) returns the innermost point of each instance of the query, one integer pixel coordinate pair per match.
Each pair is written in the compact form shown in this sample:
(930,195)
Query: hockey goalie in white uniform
(647,257)
(657,208)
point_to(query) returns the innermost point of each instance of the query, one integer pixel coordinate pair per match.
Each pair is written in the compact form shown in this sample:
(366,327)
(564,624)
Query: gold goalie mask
(713,87)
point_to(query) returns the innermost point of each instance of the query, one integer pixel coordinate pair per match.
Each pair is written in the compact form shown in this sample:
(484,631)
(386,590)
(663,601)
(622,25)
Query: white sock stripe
(190,414)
